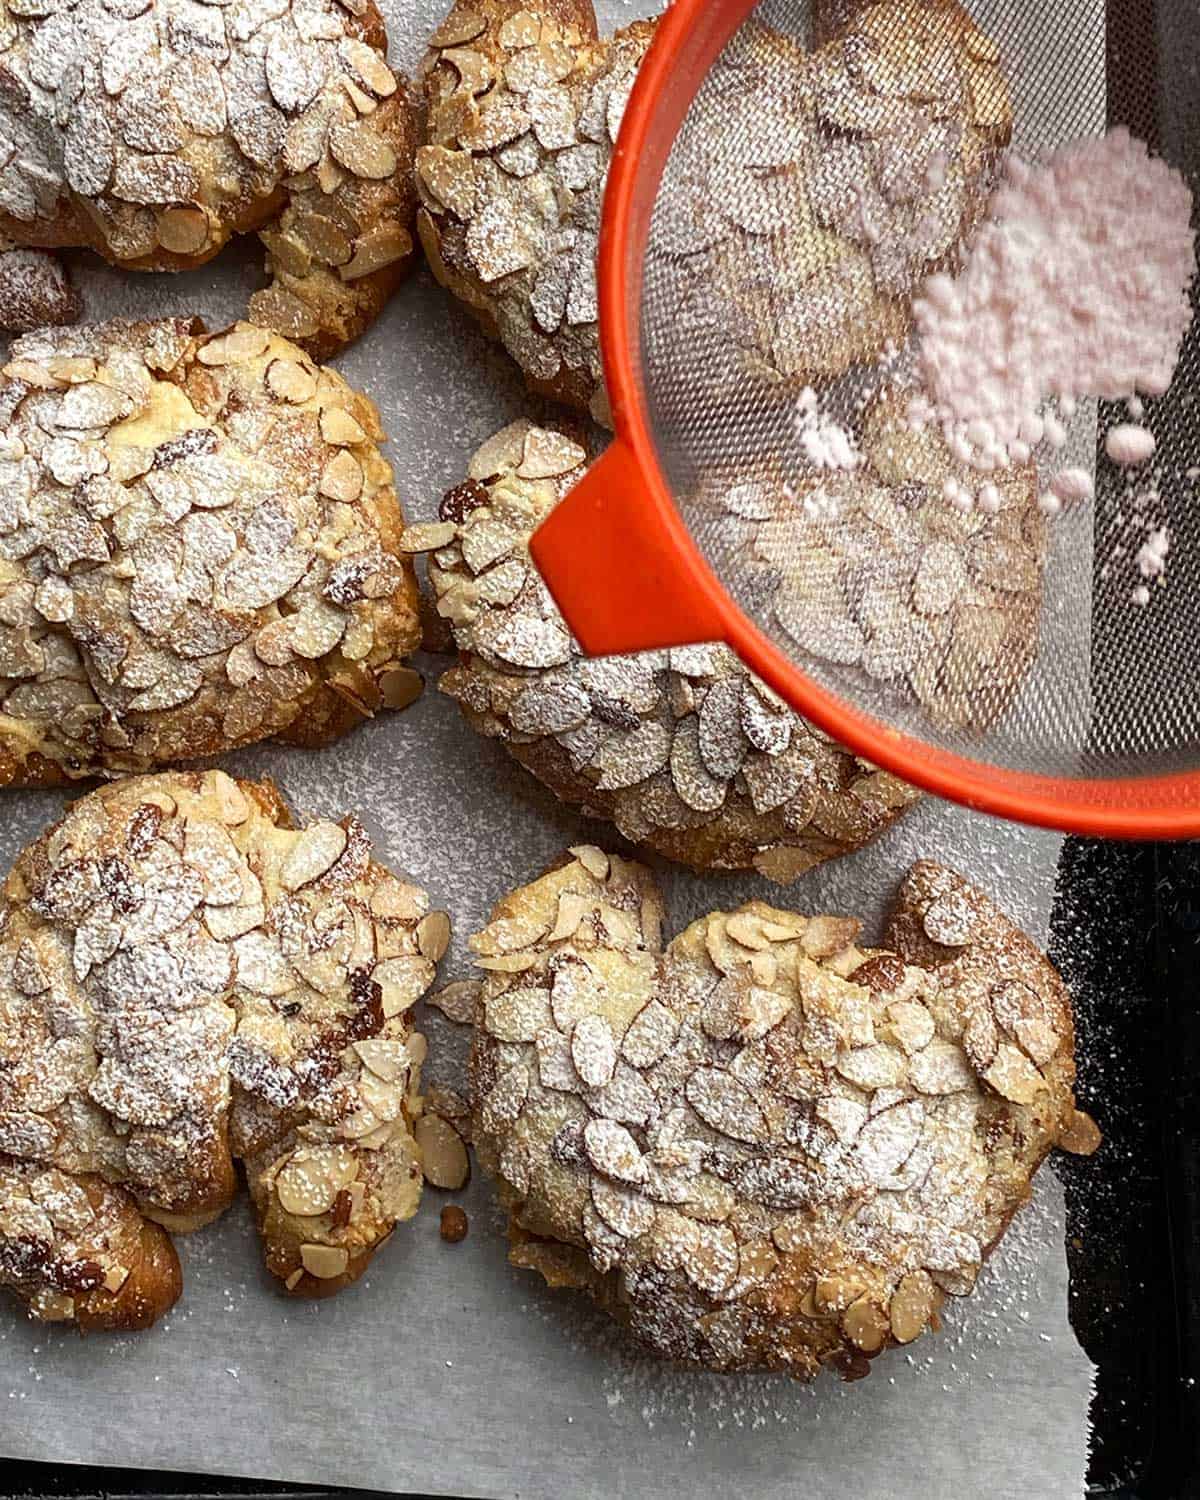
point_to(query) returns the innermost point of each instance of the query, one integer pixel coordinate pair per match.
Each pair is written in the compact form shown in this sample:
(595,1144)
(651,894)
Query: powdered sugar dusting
(1076,287)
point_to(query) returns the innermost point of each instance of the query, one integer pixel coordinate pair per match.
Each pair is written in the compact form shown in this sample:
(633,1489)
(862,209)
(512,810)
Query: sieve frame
(627,575)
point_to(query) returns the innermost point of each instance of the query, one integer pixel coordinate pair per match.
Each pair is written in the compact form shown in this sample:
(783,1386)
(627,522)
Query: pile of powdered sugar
(1076,287)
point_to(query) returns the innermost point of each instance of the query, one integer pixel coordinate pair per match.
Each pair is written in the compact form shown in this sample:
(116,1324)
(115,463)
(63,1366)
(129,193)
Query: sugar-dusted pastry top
(152,132)
(188,979)
(685,751)
(875,573)
(863,166)
(763,1146)
(197,550)
(524,105)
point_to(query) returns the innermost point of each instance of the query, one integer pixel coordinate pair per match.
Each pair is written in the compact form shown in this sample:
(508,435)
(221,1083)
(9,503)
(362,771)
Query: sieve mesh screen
(836,155)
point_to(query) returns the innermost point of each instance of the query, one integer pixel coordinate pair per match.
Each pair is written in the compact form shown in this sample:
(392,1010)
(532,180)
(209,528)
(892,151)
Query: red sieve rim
(621,563)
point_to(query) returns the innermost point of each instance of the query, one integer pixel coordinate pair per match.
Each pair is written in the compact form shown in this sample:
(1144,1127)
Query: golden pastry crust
(198,549)
(152,134)
(186,980)
(764,1146)
(873,571)
(75,1249)
(685,751)
(870,163)
(524,104)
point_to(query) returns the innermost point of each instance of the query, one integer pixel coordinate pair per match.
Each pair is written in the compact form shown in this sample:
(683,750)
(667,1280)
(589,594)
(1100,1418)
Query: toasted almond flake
(912,1306)
(462,25)
(507,963)
(433,935)
(115,1278)
(444,1159)
(518,1015)
(624,1211)
(713,1260)
(593,1050)
(427,536)
(548,455)
(339,428)
(1081,1136)
(522,29)
(614,1152)
(362,150)
(242,342)
(912,1024)
(182,230)
(726,1104)
(342,478)
(949,920)
(401,687)
(940,1068)
(1012,1075)
(866,1325)
(380,246)
(311,1179)
(593,860)
(388,1060)
(784,864)
(368,66)
(291,381)
(325,1262)
(313,854)
(825,936)
(572,910)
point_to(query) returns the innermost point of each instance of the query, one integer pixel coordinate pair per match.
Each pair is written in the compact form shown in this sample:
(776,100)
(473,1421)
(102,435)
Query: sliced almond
(1082,1136)
(310,1180)
(182,230)
(593,860)
(462,25)
(428,536)
(291,381)
(457,1001)
(241,342)
(325,1262)
(368,66)
(866,1325)
(381,246)
(339,428)
(911,1306)
(313,854)
(1013,1076)
(593,1050)
(433,935)
(115,1278)
(401,687)
(362,150)
(342,478)
(444,1158)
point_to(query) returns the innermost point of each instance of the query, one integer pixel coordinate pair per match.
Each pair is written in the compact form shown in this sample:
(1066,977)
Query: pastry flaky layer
(197,550)
(153,132)
(762,1145)
(188,978)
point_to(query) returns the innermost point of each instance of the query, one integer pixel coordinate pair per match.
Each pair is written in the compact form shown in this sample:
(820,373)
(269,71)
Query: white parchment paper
(446,1372)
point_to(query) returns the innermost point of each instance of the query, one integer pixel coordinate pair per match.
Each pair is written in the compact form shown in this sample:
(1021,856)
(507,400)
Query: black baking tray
(1126,935)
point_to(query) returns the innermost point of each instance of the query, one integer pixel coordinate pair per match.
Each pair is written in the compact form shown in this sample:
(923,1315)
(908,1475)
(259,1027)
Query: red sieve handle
(610,560)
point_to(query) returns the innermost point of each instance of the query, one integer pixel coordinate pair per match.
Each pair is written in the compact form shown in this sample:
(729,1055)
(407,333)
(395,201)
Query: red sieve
(1101,734)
